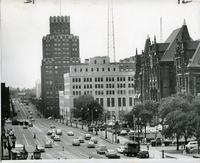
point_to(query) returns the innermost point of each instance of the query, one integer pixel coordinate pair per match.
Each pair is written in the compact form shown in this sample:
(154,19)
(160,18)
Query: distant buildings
(38,88)
(5,102)
(164,69)
(60,50)
(111,84)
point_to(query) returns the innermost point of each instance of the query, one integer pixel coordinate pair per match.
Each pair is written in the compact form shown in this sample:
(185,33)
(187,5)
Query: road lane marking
(99,154)
(37,128)
(38,141)
(68,155)
(21,129)
(49,155)
(26,140)
(84,155)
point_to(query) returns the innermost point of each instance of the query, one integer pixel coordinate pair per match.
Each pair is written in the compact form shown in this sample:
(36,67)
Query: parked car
(53,135)
(81,139)
(94,139)
(8,121)
(70,133)
(76,142)
(90,144)
(87,136)
(120,149)
(158,142)
(25,127)
(143,154)
(123,133)
(59,132)
(30,124)
(111,153)
(41,148)
(32,120)
(48,144)
(56,138)
(49,132)
(101,149)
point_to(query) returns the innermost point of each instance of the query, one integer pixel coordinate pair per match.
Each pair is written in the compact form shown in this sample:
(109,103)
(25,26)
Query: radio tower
(161,33)
(111,36)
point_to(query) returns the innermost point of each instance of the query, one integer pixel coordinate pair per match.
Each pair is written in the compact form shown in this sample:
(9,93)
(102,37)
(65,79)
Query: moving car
(53,135)
(111,153)
(41,148)
(30,124)
(59,132)
(81,139)
(120,149)
(143,154)
(75,142)
(11,133)
(32,120)
(56,138)
(94,139)
(52,126)
(90,144)
(191,146)
(87,136)
(8,121)
(25,127)
(131,148)
(48,144)
(101,149)
(123,133)
(70,133)
(49,132)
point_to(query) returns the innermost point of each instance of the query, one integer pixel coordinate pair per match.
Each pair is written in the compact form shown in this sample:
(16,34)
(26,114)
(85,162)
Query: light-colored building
(106,82)
(38,88)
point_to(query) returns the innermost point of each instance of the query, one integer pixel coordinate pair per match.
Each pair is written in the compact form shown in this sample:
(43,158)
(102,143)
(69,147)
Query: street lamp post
(96,121)
(82,116)
(106,125)
(7,143)
(139,120)
(24,153)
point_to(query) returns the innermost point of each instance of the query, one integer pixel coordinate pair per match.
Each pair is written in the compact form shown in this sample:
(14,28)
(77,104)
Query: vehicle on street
(158,142)
(49,132)
(87,136)
(111,153)
(31,113)
(48,144)
(70,133)
(25,127)
(50,118)
(30,124)
(90,144)
(123,133)
(32,120)
(131,148)
(58,132)
(76,142)
(11,133)
(41,148)
(81,139)
(8,121)
(52,126)
(18,149)
(143,154)
(101,149)
(94,139)
(56,138)
(120,149)
(191,146)
(53,135)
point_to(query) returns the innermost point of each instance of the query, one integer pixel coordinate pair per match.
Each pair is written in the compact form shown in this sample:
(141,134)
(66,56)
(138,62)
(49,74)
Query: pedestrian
(147,146)
(34,136)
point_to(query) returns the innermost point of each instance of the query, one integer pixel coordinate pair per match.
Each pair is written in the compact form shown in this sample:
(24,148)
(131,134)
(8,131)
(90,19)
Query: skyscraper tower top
(59,24)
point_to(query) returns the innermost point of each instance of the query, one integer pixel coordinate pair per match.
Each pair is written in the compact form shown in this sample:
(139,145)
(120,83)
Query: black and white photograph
(92,80)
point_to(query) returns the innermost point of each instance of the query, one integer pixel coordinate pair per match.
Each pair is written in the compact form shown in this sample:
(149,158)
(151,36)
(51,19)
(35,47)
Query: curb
(196,156)
(169,156)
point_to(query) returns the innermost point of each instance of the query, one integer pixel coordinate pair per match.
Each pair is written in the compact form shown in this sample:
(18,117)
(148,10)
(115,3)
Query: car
(58,132)
(18,149)
(70,133)
(30,124)
(94,139)
(41,148)
(31,113)
(48,144)
(8,121)
(49,132)
(90,144)
(32,120)
(101,149)
(120,149)
(87,136)
(53,135)
(76,142)
(191,146)
(25,127)
(81,139)
(111,153)
(11,133)
(50,118)
(56,138)
(52,126)
(123,133)
(143,154)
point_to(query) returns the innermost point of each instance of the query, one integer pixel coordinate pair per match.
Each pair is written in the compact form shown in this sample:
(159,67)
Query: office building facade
(107,82)
(60,50)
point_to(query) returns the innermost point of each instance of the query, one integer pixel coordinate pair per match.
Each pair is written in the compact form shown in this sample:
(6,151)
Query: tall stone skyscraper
(60,50)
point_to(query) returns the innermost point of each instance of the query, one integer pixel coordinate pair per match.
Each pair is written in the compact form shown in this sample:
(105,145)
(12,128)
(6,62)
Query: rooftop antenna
(161,32)
(111,36)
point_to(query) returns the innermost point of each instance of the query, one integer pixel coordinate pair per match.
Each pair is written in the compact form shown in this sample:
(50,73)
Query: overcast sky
(24,25)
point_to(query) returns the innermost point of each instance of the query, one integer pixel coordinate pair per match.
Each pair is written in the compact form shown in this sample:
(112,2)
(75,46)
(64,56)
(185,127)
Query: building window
(130,101)
(119,102)
(108,69)
(108,102)
(113,102)
(95,62)
(104,61)
(124,101)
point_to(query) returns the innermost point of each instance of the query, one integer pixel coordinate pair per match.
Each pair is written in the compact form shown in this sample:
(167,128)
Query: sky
(24,24)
